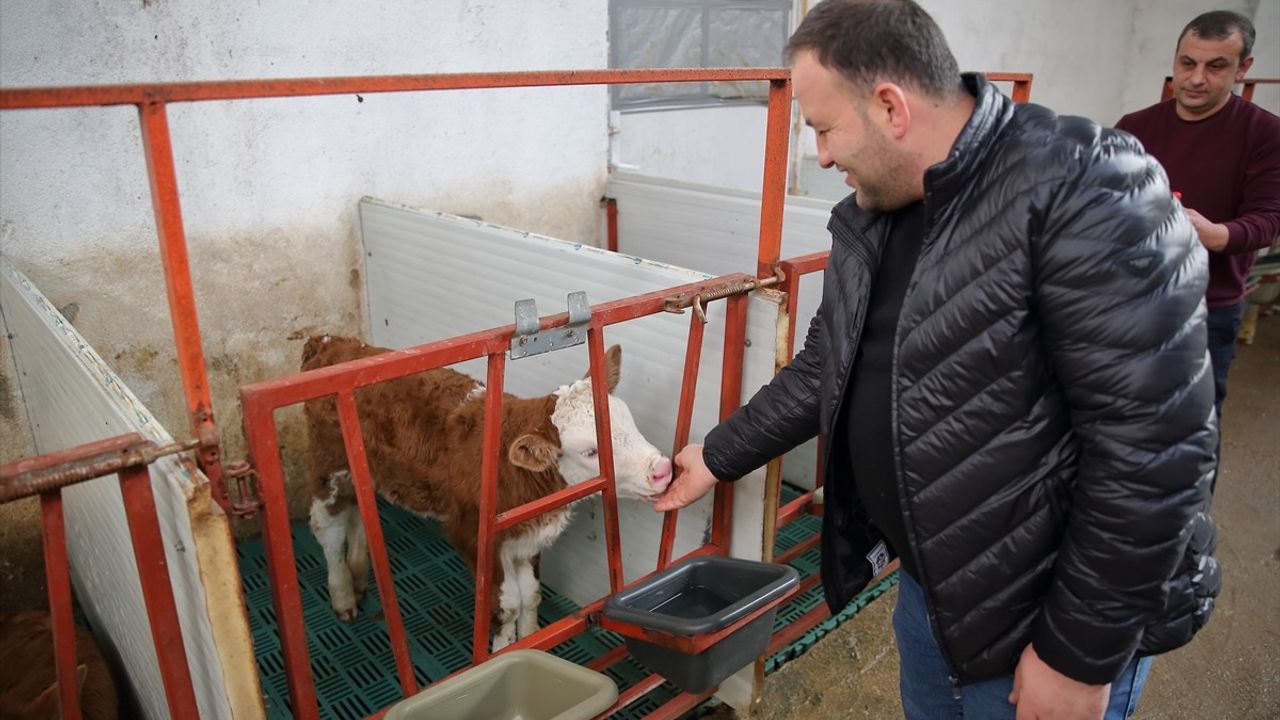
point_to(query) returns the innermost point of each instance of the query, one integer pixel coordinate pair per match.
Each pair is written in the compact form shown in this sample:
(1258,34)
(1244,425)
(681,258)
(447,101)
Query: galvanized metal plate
(528,340)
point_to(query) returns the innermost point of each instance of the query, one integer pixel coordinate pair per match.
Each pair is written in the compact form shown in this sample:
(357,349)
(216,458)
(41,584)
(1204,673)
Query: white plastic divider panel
(717,230)
(433,276)
(73,397)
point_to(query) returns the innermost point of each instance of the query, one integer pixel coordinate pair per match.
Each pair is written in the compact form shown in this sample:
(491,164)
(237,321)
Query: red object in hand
(1177,194)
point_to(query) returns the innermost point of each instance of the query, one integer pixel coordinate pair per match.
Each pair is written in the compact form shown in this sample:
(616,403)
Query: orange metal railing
(260,400)
(46,476)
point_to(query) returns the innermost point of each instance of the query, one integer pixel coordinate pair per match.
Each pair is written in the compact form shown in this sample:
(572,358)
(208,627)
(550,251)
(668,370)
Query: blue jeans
(924,680)
(1224,326)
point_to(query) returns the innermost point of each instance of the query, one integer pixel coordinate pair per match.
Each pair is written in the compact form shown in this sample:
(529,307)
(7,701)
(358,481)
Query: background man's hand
(1213,236)
(693,480)
(1042,693)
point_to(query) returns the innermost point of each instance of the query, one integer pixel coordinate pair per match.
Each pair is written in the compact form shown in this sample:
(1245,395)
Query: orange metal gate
(46,475)
(152,101)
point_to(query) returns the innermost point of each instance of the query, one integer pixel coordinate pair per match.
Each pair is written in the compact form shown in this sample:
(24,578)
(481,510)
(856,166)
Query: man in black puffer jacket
(1009,370)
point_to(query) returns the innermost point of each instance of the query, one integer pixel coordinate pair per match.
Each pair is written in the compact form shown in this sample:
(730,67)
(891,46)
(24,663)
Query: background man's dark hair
(870,40)
(1218,25)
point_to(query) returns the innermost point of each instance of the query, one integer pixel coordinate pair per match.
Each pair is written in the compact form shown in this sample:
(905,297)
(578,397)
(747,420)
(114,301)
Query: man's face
(1204,72)
(847,137)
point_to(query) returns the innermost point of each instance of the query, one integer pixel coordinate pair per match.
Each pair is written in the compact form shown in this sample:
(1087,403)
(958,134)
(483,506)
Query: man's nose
(824,157)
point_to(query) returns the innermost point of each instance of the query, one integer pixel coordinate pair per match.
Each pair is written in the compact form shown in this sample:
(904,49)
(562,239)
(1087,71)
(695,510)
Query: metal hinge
(527,339)
(239,496)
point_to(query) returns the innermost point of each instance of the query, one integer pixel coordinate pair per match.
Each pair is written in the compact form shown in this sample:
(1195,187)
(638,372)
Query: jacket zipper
(847,237)
(925,243)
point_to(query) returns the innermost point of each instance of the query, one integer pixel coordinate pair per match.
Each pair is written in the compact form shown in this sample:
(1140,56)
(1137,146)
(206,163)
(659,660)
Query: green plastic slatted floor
(352,664)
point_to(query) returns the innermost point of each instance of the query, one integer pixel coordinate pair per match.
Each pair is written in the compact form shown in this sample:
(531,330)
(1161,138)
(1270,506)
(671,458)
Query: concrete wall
(270,187)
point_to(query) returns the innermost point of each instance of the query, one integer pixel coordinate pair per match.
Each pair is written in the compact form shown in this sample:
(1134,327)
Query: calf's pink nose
(661,476)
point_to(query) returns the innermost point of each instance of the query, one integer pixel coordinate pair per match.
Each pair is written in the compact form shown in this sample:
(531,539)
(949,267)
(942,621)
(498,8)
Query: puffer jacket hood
(1052,401)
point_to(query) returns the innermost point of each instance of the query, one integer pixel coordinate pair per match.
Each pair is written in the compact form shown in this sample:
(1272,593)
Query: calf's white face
(641,469)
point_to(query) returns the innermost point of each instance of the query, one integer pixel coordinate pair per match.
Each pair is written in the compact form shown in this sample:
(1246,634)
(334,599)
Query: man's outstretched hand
(693,480)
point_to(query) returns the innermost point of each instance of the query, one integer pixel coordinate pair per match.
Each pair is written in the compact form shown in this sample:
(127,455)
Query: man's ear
(534,453)
(1245,64)
(889,106)
(612,367)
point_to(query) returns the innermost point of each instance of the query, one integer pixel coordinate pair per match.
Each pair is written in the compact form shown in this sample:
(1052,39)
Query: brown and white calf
(423,435)
(29,680)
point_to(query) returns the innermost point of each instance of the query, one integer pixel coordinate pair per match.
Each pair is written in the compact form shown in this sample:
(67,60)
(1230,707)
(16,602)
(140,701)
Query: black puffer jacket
(1052,400)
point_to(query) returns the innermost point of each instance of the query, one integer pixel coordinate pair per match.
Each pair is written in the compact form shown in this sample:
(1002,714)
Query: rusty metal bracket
(45,473)
(240,490)
(528,340)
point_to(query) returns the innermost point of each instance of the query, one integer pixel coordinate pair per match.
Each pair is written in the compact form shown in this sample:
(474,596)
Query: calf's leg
(530,598)
(329,520)
(508,608)
(357,553)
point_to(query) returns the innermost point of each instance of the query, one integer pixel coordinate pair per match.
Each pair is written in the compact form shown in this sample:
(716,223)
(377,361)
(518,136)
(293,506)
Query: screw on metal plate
(527,340)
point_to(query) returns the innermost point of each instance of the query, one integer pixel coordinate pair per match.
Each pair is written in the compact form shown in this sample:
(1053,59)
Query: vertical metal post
(488,503)
(177,278)
(684,419)
(58,578)
(157,591)
(1021,91)
(367,503)
(604,448)
(264,454)
(773,195)
(735,335)
(611,222)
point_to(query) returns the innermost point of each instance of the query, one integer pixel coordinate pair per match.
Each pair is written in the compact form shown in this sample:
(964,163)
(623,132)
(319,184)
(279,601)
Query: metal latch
(527,340)
(239,496)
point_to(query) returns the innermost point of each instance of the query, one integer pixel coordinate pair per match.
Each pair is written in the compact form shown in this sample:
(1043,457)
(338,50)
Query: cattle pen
(192,662)
(233,484)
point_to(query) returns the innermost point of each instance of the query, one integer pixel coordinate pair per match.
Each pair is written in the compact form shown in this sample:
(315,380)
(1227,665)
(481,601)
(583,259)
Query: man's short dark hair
(870,40)
(1218,25)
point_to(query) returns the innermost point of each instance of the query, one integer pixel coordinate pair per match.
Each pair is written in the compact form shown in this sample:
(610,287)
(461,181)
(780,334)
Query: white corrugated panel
(73,397)
(433,276)
(717,230)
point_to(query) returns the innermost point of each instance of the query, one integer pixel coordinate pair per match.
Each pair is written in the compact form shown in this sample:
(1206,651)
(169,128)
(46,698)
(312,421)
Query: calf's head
(642,471)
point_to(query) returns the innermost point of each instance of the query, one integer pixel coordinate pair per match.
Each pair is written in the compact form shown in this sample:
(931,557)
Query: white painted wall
(270,188)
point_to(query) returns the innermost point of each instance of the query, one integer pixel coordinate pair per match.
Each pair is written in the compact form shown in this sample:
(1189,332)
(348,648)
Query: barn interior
(407,218)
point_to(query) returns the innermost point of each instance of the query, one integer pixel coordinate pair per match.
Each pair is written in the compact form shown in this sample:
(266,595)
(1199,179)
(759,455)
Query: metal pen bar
(58,578)
(604,450)
(367,505)
(485,538)
(277,540)
(157,591)
(684,420)
(158,151)
(137,94)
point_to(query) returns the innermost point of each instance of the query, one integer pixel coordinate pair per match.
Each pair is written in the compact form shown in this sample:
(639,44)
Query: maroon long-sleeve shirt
(1227,168)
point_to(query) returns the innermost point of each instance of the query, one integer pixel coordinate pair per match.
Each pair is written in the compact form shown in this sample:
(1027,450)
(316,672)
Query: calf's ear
(534,453)
(612,367)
